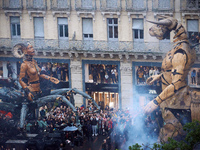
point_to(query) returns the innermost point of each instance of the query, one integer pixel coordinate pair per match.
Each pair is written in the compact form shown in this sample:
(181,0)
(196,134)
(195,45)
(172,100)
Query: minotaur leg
(172,127)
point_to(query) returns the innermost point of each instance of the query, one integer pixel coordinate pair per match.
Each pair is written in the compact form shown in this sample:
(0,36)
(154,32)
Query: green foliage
(192,137)
(135,147)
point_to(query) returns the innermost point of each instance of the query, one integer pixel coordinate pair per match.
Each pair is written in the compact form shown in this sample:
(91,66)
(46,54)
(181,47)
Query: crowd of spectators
(143,72)
(103,73)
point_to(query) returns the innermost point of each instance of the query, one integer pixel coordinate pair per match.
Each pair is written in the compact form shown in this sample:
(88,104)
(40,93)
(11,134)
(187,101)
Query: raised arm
(52,79)
(178,81)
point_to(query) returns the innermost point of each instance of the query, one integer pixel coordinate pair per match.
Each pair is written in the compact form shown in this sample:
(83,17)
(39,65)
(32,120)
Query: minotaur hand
(153,78)
(54,80)
(30,97)
(150,107)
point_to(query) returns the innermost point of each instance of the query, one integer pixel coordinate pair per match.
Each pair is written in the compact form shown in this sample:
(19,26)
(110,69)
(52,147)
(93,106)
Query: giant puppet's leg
(86,96)
(172,126)
(52,98)
(24,111)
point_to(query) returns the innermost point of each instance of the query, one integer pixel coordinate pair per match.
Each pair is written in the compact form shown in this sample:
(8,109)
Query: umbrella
(70,128)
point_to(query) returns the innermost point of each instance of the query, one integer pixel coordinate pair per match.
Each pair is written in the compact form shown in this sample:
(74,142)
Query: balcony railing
(12,4)
(85,5)
(110,5)
(190,5)
(61,5)
(93,45)
(163,5)
(36,5)
(136,5)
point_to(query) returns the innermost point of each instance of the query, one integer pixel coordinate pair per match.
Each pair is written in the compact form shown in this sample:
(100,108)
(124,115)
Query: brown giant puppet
(31,71)
(176,95)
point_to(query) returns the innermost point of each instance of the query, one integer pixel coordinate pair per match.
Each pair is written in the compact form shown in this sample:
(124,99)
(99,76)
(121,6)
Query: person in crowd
(9,68)
(151,72)
(193,76)
(94,120)
(104,145)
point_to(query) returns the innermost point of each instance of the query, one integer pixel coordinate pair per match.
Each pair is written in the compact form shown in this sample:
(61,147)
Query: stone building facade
(85,34)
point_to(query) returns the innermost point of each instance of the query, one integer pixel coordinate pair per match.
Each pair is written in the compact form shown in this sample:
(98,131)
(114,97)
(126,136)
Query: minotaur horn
(165,22)
(18,50)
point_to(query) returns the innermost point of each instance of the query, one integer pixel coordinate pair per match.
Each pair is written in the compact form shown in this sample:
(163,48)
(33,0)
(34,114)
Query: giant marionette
(176,99)
(31,95)
(30,71)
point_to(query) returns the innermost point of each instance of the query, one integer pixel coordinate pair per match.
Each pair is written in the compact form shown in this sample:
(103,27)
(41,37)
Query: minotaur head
(162,27)
(19,50)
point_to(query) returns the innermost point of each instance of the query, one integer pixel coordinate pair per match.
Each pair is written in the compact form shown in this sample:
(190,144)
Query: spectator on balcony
(9,68)
(193,76)
(113,71)
(54,71)
(65,73)
(102,74)
(198,77)
(58,71)
(151,72)
(94,74)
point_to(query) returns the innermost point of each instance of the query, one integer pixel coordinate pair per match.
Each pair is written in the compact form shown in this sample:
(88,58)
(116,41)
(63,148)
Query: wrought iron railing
(110,5)
(190,5)
(136,5)
(61,5)
(90,45)
(36,5)
(85,5)
(163,5)
(12,4)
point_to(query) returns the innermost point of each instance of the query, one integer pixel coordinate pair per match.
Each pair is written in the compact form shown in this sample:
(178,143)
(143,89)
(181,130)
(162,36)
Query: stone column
(76,80)
(126,85)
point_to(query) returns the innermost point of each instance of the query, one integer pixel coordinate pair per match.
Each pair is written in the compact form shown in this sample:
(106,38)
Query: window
(62,28)
(87,28)
(87,3)
(113,28)
(164,4)
(193,28)
(39,27)
(15,27)
(138,29)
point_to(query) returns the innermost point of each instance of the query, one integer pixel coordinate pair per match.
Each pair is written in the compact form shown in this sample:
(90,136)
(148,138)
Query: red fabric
(110,124)
(3,112)
(9,115)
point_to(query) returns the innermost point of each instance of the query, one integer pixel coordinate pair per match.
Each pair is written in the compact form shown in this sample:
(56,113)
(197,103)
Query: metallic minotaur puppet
(175,95)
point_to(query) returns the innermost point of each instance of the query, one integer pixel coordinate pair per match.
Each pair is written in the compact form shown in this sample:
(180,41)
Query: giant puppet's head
(19,50)
(162,28)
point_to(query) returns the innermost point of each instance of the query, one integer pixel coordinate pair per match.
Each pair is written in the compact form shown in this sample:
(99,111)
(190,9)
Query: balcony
(89,46)
(190,6)
(12,4)
(85,5)
(36,5)
(136,5)
(165,6)
(60,5)
(110,5)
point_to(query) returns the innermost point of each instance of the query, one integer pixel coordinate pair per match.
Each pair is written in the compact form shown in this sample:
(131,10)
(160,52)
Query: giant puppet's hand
(28,93)
(54,80)
(153,78)
(150,107)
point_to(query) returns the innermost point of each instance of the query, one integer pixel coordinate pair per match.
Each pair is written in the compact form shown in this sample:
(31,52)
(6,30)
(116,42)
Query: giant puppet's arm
(52,79)
(178,63)
(153,78)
